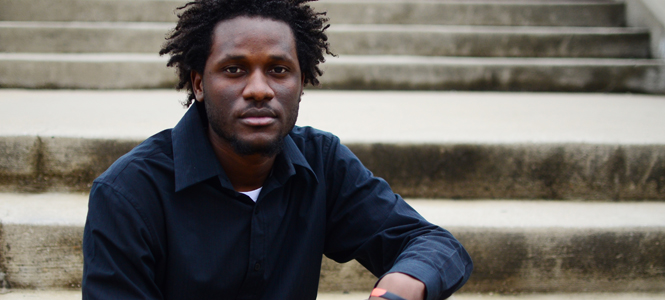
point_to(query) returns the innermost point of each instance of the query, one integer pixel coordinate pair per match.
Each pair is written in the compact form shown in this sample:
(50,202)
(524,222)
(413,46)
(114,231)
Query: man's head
(189,44)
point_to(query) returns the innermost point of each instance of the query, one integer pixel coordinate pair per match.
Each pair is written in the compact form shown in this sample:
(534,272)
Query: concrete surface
(567,13)
(72,295)
(375,117)
(454,145)
(649,14)
(484,41)
(70,210)
(517,246)
(138,71)
(506,41)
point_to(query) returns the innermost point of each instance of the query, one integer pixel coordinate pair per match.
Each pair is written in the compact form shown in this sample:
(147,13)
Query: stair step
(495,13)
(76,295)
(517,246)
(430,40)
(426,144)
(136,71)
(484,41)
(503,13)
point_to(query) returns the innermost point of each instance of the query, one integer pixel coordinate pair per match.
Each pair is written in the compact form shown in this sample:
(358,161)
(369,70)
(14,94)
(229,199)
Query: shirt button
(257,267)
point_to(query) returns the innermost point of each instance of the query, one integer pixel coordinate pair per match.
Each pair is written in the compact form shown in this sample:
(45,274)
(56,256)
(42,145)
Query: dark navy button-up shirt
(164,222)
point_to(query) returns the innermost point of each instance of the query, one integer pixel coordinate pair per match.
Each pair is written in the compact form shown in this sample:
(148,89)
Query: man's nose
(257,87)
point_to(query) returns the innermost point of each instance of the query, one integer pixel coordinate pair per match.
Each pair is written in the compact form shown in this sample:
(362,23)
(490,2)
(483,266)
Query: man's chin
(268,149)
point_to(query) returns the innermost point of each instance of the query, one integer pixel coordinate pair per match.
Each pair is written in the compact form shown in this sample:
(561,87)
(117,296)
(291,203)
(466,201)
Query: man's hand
(403,285)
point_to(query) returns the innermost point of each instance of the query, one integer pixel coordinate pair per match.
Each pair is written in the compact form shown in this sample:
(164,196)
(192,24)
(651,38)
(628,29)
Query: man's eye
(279,70)
(233,70)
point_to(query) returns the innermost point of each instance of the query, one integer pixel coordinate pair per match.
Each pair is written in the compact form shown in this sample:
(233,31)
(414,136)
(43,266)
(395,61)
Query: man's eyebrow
(233,57)
(279,57)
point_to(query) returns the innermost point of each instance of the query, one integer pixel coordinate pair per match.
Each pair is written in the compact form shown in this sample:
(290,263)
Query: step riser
(481,44)
(542,260)
(59,40)
(375,12)
(357,75)
(540,171)
(476,43)
(496,14)
(485,76)
(85,10)
(42,256)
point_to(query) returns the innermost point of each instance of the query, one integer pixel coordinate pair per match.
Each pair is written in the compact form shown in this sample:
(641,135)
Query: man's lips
(258,121)
(258,117)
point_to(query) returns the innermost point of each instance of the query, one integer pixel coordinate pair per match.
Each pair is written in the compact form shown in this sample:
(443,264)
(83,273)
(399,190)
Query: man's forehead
(243,23)
(252,32)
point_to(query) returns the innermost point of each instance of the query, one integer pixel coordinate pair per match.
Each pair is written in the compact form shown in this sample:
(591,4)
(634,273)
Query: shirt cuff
(423,272)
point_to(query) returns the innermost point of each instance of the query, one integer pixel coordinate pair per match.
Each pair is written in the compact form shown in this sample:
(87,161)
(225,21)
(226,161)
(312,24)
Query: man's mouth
(258,117)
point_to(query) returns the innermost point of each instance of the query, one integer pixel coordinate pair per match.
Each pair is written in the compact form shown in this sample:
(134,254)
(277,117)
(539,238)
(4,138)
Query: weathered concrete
(457,145)
(76,295)
(136,71)
(85,71)
(43,256)
(509,13)
(107,37)
(497,74)
(517,246)
(649,14)
(463,171)
(480,41)
(566,13)
(85,10)
(520,171)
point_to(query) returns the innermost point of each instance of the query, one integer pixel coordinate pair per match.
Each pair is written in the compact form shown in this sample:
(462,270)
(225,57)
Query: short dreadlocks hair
(189,44)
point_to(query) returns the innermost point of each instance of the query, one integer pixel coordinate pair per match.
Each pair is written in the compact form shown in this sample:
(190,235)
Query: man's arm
(371,224)
(118,249)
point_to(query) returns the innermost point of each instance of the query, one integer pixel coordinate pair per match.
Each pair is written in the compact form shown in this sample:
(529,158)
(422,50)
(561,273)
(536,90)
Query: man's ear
(197,85)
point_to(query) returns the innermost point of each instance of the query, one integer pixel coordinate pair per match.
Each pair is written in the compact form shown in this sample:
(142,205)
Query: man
(237,203)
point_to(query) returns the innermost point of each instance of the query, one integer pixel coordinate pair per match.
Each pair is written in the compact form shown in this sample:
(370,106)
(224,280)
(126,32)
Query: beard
(242,147)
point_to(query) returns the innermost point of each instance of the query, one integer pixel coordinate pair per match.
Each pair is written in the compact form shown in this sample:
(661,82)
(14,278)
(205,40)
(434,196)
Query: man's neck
(246,172)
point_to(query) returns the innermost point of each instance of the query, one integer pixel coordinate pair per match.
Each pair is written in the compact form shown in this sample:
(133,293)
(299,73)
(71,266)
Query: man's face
(251,85)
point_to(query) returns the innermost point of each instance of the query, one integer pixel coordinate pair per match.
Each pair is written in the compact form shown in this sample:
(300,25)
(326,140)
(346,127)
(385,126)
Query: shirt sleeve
(118,249)
(369,223)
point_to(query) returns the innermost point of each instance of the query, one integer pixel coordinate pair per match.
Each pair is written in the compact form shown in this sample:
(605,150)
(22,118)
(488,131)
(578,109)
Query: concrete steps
(598,13)
(349,39)
(559,194)
(518,246)
(137,71)
(573,46)
(431,148)
(426,144)
(75,295)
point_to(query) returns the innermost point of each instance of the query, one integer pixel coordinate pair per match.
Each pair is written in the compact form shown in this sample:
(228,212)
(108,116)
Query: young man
(236,202)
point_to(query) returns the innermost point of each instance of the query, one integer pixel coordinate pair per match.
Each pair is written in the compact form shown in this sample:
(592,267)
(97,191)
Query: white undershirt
(253,194)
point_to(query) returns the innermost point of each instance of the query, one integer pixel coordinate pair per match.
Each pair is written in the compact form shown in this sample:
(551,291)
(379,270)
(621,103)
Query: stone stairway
(554,193)
(430,45)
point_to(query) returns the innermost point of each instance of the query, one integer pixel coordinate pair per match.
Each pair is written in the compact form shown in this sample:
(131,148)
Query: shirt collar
(195,161)
(290,156)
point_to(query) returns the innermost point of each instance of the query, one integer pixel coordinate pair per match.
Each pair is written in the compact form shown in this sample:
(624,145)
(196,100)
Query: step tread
(475,29)
(354,59)
(71,209)
(380,117)
(72,295)
(583,13)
